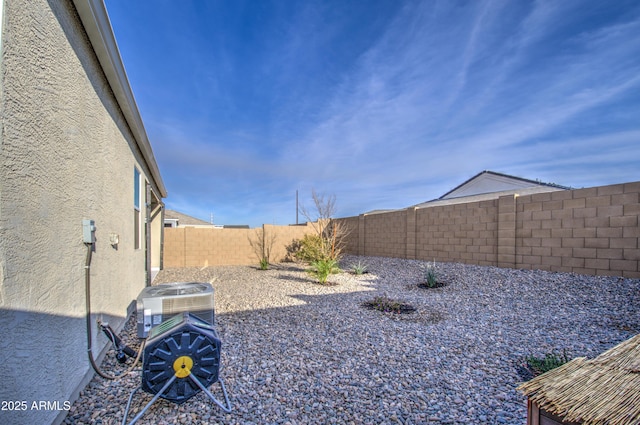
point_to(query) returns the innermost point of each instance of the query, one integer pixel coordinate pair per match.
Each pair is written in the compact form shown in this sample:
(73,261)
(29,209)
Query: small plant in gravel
(388,305)
(430,279)
(262,244)
(321,269)
(540,365)
(359,268)
(264,264)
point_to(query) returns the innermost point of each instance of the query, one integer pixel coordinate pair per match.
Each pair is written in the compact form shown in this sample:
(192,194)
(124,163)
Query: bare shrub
(331,233)
(262,244)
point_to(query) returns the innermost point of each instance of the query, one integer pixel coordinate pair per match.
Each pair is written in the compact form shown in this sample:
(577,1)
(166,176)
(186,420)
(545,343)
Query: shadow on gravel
(293,278)
(329,360)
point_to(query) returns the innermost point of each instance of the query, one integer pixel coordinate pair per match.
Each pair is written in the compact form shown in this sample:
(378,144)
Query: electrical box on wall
(88,231)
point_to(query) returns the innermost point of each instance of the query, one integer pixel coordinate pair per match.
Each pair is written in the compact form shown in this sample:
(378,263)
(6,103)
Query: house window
(137,213)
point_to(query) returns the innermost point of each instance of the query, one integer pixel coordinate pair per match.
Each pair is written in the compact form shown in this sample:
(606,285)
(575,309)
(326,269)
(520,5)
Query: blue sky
(384,104)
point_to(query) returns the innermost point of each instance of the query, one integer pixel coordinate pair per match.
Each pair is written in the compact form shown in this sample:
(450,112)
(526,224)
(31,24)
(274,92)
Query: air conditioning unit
(155,304)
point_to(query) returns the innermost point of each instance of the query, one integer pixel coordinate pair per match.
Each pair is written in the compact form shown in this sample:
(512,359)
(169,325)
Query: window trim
(137,210)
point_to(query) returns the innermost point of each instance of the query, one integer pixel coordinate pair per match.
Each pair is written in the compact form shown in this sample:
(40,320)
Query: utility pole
(296,206)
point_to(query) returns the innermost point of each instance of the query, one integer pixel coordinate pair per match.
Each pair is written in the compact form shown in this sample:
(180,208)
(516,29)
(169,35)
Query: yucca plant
(359,268)
(431,275)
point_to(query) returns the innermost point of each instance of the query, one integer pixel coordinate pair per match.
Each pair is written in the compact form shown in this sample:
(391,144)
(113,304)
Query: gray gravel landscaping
(296,352)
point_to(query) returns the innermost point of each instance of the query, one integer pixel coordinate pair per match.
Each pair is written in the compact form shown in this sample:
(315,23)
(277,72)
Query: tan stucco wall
(156,227)
(66,154)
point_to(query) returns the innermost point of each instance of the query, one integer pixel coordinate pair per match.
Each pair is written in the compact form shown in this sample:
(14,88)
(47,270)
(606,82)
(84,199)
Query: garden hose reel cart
(181,358)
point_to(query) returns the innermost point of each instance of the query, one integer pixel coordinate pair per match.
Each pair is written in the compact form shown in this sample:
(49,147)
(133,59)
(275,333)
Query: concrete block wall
(386,234)
(588,231)
(174,247)
(506,241)
(202,247)
(351,241)
(284,235)
(458,233)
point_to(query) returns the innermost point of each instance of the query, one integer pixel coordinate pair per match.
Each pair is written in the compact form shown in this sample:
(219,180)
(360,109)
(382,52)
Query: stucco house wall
(68,150)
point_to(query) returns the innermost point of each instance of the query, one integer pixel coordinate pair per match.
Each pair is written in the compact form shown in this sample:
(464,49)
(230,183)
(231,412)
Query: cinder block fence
(588,231)
(201,247)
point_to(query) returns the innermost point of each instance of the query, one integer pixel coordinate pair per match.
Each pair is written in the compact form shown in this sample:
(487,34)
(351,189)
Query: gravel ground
(296,352)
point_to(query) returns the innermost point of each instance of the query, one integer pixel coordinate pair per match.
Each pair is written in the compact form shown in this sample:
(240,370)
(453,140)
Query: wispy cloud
(388,104)
(395,120)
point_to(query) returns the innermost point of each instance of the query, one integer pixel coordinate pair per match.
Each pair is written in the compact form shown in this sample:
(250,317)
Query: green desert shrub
(264,264)
(321,269)
(540,365)
(308,249)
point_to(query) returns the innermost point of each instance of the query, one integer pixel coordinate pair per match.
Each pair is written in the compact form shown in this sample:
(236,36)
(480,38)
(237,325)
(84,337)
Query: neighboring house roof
(598,391)
(490,181)
(380,211)
(98,27)
(184,219)
(491,185)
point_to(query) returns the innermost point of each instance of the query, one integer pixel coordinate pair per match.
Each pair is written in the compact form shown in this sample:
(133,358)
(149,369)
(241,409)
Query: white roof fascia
(487,183)
(95,20)
(488,196)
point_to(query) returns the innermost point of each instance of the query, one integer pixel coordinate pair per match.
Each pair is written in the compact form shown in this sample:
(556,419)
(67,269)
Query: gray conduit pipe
(87,291)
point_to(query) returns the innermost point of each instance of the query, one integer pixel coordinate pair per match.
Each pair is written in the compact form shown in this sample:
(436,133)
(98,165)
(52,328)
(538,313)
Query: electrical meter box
(155,304)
